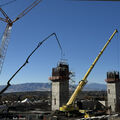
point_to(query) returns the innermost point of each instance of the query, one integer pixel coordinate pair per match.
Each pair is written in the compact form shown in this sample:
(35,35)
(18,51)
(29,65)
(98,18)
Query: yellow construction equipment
(69,106)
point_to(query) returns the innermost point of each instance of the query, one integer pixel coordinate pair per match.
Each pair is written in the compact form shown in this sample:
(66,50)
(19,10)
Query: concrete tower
(113,91)
(60,85)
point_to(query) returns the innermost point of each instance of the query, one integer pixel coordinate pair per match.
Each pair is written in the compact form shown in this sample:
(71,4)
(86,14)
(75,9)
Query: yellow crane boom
(84,80)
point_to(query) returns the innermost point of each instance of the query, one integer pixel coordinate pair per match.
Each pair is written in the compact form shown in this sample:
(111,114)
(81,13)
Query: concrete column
(60,85)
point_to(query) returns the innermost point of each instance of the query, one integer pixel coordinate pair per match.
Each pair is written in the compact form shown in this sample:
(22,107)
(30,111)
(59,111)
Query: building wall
(55,95)
(113,92)
(60,94)
(118,96)
(64,92)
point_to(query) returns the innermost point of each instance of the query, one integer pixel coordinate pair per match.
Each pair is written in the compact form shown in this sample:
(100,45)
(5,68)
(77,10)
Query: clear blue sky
(82,28)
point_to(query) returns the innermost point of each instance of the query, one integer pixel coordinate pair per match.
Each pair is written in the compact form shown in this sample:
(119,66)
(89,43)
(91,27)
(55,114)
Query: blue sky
(82,28)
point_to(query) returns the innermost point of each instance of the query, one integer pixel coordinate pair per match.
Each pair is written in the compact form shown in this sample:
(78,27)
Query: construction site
(63,101)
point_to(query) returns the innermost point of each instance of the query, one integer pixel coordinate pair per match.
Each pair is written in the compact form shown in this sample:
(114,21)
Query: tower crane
(6,34)
(69,106)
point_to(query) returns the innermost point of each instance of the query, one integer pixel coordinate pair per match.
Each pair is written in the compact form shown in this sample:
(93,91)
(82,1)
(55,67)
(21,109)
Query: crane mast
(4,44)
(68,106)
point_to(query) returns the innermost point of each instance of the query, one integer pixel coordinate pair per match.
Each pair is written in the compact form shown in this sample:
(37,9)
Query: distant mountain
(95,87)
(47,87)
(28,87)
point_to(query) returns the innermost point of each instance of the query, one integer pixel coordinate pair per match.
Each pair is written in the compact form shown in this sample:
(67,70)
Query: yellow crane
(69,106)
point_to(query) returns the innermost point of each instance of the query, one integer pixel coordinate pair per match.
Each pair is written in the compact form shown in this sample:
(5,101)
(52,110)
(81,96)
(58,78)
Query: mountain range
(47,87)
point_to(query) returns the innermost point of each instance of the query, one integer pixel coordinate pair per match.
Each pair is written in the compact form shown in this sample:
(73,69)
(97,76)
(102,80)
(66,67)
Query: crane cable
(7,3)
(29,8)
(27,60)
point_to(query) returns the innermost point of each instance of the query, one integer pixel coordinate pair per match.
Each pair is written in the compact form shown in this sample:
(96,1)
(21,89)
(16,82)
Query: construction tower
(113,91)
(60,85)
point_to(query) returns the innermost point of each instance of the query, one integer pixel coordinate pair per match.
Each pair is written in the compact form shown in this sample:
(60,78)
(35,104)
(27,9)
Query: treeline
(45,95)
(19,96)
(92,95)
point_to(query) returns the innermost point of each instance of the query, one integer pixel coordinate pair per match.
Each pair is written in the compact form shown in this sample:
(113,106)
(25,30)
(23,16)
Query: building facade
(113,91)
(60,85)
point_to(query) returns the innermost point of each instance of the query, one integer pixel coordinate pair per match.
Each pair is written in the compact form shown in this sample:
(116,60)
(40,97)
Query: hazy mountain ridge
(95,86)
(47,87)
